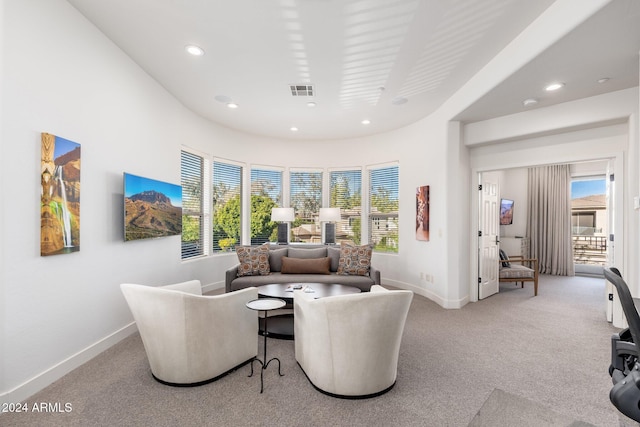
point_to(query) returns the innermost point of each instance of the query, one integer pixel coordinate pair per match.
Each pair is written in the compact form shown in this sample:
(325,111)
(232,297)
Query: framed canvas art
(422,213)
(151,208)
(59,195)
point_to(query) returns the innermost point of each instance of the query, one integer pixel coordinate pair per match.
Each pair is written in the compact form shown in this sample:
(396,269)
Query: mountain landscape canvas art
(151,208)
(59,195)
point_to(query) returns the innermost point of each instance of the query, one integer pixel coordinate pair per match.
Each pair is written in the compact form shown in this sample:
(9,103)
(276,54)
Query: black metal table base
(262,368)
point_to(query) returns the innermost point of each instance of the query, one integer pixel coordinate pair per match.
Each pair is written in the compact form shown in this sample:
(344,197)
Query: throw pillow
(355,260)
(275,258)
(504,257)
(306,265)
(254,260)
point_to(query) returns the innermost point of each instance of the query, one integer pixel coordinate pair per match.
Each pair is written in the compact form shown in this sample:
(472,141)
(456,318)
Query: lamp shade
(329,214)
(282,214)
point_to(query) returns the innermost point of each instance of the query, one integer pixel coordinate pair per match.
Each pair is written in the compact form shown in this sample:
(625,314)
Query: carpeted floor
(512,357)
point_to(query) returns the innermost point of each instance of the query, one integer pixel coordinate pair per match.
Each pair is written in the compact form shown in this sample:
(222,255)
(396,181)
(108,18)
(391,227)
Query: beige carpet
(504,409)
(512,357)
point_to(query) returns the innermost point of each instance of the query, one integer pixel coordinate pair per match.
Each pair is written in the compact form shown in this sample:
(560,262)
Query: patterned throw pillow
(354,260)
(254,260)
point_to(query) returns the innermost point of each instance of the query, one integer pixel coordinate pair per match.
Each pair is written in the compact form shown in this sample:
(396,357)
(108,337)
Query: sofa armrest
(230,275)
(375,275)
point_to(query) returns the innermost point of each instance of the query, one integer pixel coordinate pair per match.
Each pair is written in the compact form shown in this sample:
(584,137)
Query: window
(192,180)
(306,199)
(227,205)
(266,193)
(383,208)
(345,192)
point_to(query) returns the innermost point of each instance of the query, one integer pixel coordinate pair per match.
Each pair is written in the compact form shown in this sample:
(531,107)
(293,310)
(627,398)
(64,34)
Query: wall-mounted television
(506,212)
(151,208)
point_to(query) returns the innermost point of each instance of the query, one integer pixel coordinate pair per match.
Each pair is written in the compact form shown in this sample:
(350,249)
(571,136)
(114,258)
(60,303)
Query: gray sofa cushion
(307,253)
(275,258)
(362,282)
(334,254)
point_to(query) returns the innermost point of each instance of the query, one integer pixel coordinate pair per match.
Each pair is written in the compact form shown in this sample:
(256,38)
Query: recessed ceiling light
(366,121)
(554,86)
(194,50)
(232,105)
(603,80)
(399,100)
(294,129)
(311,104)
(529,102)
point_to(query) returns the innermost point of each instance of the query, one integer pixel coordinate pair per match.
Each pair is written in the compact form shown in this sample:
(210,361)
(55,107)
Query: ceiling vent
(301,90)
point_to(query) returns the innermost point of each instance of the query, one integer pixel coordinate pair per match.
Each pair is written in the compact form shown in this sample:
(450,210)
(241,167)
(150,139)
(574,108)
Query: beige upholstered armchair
(518,269)
(348,345)
(191,339)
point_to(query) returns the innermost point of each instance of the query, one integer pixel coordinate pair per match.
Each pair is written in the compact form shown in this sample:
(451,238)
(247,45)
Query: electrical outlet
(428,278)
(421,276)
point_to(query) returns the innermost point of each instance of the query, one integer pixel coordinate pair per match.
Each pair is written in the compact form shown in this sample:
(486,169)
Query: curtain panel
(549,219)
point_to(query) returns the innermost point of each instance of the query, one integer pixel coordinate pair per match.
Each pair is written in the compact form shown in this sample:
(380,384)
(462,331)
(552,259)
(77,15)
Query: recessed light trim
(311,104)
(529,102)
(366,122)
(554,86)
(603,80)
(293,129)
(194,50)
(399,100)
(232,105)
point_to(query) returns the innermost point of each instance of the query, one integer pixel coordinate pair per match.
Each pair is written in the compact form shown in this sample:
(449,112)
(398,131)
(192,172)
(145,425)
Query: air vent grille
(302,90)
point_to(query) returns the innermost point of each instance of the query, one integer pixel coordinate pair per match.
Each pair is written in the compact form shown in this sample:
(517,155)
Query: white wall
(60,75)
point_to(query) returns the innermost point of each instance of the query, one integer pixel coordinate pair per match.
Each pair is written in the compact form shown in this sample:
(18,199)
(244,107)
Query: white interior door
(488,253)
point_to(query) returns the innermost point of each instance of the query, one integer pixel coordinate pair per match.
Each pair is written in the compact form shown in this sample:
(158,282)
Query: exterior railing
(590,249)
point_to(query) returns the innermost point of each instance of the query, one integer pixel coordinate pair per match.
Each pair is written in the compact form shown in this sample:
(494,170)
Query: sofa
(302,263)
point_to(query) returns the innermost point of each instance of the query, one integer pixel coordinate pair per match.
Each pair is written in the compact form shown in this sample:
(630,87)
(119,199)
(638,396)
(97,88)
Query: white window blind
(306,199)
(266,193)
(192,180)
(383,208)
(345,192)
(226,205)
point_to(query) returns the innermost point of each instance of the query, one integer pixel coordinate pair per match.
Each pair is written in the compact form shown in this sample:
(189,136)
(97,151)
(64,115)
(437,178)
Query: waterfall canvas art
(59,196)
(151,208)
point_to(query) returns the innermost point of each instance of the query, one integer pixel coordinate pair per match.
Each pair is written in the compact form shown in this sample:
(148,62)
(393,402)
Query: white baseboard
(42,380)
(427,294)
(212,287)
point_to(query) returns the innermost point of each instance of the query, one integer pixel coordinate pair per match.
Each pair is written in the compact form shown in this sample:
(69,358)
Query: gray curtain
(549,219)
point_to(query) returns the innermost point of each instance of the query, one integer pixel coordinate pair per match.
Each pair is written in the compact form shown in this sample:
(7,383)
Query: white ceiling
(361,56)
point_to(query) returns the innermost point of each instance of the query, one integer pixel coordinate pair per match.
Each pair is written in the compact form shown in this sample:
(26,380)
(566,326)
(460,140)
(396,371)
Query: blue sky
(136,184)
(588,188)
(63,146)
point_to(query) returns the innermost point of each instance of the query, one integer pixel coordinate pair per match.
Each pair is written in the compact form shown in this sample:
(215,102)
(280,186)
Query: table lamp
(329,216)
(284,216)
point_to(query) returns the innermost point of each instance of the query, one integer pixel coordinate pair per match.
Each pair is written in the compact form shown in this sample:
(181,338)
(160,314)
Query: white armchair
(348,345)
(191,339)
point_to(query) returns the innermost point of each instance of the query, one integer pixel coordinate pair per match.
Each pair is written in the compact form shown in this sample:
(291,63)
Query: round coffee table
(281,326)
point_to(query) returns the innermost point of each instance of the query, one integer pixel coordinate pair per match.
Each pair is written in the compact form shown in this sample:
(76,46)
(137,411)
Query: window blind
(266,193)
(306,199)
(345,192)
(226,205)
(383,208)
(192,177)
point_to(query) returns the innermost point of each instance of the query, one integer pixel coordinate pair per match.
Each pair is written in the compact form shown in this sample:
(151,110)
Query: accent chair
(191,339)
(348,345)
